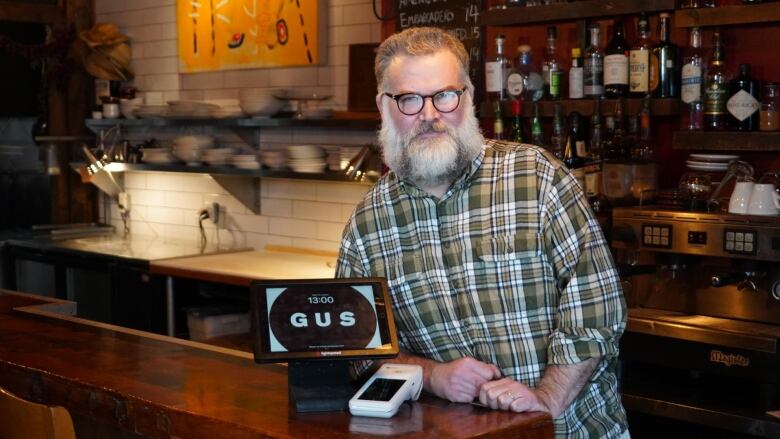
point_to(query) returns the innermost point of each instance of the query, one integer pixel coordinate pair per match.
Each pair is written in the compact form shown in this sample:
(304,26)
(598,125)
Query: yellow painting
(240,34)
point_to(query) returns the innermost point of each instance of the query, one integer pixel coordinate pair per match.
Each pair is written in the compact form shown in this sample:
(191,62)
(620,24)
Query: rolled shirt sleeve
(591,313)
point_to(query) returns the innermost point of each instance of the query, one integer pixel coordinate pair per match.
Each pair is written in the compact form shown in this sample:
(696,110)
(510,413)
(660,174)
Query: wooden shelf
(223,171)
(658,107)
(357,121)
(571,11)
(726,140)
(724,15)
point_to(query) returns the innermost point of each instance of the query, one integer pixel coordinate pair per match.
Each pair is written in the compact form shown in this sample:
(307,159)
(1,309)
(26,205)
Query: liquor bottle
(576,90)
(664,65)
(516,131)
(593,169)
(615,146)
(716,89)
(537,133)
(515,83)
(558,138)
(639,59)
(616,63)
(533,85)
(595,133)
(642,149)
(498,122)
(692,80)
(574,150)
(593,65)
(495,73)
(743,103)
(552,70)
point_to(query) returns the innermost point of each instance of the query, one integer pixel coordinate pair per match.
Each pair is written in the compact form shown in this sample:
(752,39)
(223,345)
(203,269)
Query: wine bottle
(516,131)
(537,133)
(616,63)
(495,73)
(574,151)
(558,138)
(498,122)
(716,89)
(593,65)
(743,102)
(639,59)
(664,65)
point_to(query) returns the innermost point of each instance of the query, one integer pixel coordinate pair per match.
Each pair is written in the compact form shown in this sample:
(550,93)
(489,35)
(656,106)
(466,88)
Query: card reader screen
(382,389)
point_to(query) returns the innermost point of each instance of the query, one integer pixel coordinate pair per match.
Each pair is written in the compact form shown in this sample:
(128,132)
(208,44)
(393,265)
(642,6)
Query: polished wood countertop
(240,268)
(157,386)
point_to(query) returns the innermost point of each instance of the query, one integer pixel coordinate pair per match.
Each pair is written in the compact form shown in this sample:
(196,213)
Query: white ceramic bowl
(265,106)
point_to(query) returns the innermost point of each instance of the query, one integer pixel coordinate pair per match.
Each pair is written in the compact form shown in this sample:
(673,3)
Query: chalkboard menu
(459,17)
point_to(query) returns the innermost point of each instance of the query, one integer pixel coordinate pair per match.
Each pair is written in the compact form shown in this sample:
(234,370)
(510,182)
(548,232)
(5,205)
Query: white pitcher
(764,200)
(740,197)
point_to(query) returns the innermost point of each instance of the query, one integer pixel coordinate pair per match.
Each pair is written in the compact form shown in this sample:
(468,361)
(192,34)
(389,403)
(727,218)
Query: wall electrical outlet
(214,211)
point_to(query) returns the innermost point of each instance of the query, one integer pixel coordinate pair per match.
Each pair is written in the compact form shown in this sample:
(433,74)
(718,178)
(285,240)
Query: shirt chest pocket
(513,273)
(506,248)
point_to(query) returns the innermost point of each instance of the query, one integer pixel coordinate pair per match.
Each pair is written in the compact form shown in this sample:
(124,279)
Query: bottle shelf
(725,15)
(726,140)
(658,107)
(572,11)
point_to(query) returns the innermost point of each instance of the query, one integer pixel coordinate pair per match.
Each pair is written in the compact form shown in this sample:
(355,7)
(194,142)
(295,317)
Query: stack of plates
(245,161)
(190,148)
(306,158)
(710,162)
(190,109)
(156,155)
(151,111)
(217,156)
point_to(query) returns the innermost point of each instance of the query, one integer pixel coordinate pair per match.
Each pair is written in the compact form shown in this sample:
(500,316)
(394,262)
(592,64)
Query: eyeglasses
(445,101)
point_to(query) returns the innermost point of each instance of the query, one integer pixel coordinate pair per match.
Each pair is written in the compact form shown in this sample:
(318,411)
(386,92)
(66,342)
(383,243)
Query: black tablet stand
(319,386)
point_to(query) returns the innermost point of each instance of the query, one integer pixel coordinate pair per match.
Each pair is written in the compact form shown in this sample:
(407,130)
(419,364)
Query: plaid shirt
(509,267)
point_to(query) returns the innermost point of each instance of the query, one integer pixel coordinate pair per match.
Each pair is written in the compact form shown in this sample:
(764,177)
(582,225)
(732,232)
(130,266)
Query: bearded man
(502,284)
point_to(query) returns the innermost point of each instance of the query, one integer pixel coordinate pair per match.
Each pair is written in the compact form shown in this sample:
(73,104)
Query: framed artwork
(242,34)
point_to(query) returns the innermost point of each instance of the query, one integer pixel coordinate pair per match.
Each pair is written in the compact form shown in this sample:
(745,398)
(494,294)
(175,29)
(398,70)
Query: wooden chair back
(22,419)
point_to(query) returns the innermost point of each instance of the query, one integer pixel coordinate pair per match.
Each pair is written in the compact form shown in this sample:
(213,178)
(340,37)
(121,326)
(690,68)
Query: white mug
(740,197)
(764,200)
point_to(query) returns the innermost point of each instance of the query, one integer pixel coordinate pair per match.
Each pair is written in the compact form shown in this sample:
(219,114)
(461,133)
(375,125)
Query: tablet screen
(324,318)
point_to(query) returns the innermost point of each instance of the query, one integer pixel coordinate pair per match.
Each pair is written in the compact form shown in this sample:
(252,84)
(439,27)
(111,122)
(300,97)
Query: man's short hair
(419,41)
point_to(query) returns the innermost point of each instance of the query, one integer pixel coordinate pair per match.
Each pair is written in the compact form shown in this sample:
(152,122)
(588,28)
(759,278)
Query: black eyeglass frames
(445,101)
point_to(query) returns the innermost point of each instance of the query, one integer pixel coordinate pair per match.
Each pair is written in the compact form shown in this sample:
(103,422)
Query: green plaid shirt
(509,267)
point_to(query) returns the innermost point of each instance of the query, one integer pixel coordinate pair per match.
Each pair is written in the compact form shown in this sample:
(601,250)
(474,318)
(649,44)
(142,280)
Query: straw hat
(107,54)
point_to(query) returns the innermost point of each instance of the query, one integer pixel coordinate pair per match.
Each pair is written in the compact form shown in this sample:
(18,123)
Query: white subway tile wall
(304,214)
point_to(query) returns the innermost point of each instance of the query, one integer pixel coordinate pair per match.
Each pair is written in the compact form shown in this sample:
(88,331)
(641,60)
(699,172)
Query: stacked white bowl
(190,148)
(306,158)
(245,161)
(259,102)
(128,106)
(217,156)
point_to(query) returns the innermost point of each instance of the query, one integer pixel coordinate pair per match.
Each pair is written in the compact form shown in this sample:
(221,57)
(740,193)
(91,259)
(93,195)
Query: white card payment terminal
(386,390)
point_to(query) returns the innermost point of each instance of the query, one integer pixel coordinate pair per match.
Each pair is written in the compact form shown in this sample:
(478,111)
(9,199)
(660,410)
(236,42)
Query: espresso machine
(701,349)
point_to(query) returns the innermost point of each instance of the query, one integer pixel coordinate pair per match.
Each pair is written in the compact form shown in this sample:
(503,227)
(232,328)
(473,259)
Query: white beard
(431,162)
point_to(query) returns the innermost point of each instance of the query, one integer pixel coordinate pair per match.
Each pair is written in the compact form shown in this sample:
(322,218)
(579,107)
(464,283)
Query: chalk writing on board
(458,17)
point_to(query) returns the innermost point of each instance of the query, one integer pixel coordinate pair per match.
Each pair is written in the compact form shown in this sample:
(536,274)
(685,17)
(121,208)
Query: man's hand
(508,394)
(460,380)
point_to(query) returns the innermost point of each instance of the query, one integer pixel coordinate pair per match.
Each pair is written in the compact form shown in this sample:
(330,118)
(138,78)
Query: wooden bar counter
(154,386)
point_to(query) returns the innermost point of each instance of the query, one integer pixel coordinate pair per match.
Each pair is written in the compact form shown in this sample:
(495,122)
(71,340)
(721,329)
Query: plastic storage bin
(215,321)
